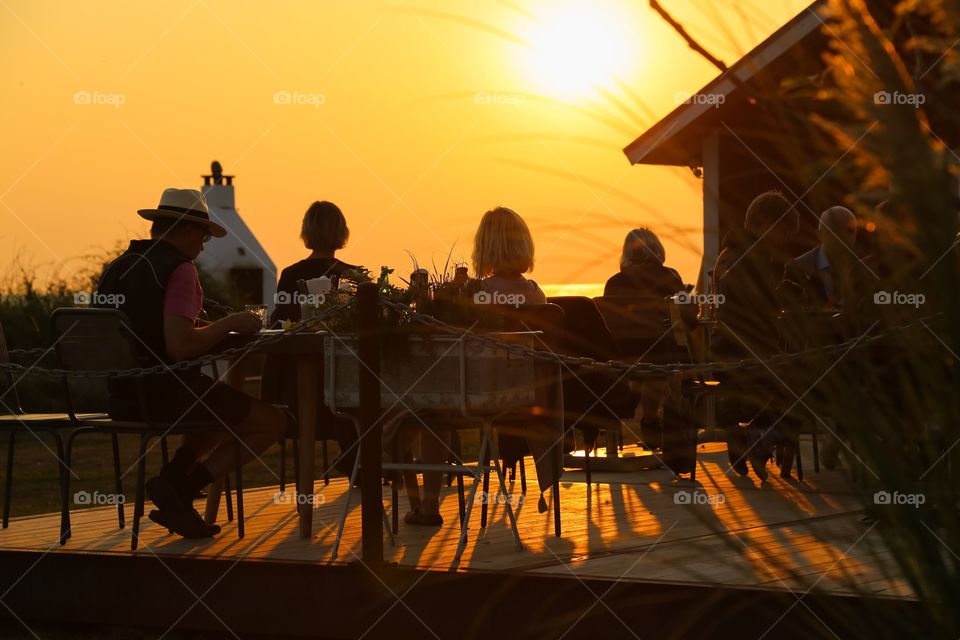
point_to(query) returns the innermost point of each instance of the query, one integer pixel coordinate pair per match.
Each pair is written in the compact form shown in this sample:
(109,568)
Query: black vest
(140,276)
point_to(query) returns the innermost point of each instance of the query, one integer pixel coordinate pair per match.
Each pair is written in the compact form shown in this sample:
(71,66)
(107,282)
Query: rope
(257,345)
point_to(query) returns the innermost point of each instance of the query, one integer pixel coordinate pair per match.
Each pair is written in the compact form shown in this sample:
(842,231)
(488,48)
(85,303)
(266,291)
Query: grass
(35,485)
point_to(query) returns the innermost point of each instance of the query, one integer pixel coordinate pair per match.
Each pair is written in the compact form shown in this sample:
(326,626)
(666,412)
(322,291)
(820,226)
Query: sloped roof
(674,140)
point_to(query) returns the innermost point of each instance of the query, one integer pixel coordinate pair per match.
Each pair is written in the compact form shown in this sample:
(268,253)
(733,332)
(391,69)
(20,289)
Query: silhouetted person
(748,276)
(161,294)
(324,231)
(642,269)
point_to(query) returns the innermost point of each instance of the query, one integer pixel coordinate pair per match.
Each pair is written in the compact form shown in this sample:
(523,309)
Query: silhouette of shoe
(186,523)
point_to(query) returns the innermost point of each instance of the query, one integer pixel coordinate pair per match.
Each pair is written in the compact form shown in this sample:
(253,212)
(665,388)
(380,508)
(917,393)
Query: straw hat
(184,204)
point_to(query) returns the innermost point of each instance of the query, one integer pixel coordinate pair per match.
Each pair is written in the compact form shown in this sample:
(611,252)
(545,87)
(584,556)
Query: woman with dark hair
(324,231)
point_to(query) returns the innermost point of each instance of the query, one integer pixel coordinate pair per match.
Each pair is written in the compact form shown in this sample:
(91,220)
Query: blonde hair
(642,245)
(503,243)
(324,227)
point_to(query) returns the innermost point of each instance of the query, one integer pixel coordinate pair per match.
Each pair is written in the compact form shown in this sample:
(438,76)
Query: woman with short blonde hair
(502,253)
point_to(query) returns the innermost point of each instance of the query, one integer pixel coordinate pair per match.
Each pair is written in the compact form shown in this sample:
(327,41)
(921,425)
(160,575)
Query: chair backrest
(547,318)
(92,340)
(584,331)
(9,400)
(637,318)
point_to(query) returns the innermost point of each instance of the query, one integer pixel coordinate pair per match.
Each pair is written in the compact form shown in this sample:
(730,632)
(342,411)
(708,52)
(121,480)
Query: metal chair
(102,340)
(15,421)
(456,349)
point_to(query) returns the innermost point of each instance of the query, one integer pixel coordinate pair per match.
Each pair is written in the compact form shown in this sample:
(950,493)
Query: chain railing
(623,368)
(257,344)
(646,369)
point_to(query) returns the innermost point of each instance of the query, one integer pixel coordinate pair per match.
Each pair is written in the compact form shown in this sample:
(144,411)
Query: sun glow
(579,46)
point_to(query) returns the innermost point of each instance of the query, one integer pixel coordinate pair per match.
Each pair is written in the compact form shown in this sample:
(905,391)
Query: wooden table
(306,350)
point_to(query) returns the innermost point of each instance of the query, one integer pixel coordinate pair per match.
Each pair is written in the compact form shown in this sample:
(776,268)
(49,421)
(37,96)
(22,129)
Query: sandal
(423,519)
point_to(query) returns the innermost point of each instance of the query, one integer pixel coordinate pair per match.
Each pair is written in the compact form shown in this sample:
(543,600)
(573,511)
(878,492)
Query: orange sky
(416,116)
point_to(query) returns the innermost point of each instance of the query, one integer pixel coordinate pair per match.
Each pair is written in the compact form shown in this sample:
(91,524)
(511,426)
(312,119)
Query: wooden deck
(626,527)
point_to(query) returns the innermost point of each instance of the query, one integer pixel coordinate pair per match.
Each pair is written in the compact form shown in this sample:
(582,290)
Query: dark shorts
(171,400)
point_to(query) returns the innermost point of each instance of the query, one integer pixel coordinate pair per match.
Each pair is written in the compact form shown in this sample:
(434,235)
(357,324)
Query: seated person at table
(161,295)
(324,232)
(747,274)
(816,270)
(502,253)
(643,275)
(642,272)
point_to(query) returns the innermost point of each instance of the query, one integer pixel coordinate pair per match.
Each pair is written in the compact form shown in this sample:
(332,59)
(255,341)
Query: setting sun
(577,46)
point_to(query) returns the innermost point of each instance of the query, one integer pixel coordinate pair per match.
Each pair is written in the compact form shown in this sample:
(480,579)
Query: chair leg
(283,464)
(495,456)
(62,472)
(228,494)
(141,484)
(816,449)
(586,466)
(326,461)
(67,452)
(118,480)
(8,480)
(555,494)
(461,498)
(346,506)
(457,457)
(523,477)
(485,497)
(296,465)
(238,472)
(164,451)
(799,457)
(471,501)
(395,498)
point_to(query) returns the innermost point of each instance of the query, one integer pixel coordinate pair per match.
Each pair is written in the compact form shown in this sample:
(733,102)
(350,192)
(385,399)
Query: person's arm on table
(185,341)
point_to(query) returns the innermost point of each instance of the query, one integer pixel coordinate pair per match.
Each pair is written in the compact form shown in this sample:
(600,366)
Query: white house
(238,259)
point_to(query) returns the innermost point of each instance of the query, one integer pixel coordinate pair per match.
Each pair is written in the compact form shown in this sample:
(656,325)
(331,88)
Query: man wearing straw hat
(162,297)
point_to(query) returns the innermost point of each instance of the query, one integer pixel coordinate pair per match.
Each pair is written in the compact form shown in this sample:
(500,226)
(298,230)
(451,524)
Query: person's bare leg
(435,448)
(202,443)
(409,436)
(264,426)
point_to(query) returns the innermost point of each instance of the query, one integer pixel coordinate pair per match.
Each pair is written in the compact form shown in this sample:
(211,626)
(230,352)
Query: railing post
(371,429)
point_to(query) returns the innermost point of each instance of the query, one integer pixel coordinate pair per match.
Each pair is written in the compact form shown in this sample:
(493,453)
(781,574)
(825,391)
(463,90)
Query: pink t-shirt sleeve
(183,296)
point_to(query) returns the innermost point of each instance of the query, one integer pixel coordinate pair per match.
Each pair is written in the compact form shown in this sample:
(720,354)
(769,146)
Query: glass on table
(259,310)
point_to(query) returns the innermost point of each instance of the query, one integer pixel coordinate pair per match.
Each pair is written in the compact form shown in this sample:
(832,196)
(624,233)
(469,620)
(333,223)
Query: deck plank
(781,535)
